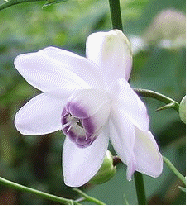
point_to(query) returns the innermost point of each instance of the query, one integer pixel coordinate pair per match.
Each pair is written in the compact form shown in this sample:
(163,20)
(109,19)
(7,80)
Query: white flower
(168,30)
(90,100)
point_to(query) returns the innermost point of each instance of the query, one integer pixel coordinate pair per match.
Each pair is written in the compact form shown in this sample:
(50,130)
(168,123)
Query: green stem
(175,171)
(115,10)
(14,2)
(88,198)
(126,201)
(139,184)
(158,96)
(48,196)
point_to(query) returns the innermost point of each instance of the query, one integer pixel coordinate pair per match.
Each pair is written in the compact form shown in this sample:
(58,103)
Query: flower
(90,100)
(167,30)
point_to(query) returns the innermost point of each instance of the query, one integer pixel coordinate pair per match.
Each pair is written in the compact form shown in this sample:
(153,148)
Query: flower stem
(156,95)
(48,196)
(115,10)
(9,3)
(175,171)
(139,184)
(88,198)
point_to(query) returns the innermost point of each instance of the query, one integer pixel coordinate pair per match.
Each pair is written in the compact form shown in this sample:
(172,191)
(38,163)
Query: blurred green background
(158,64)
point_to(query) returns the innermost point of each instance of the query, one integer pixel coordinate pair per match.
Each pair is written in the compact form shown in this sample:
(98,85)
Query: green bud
(106,172)
(182,109)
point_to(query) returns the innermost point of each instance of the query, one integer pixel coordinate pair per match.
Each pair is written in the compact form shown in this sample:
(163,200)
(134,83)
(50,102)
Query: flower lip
(76,110)
(78,125)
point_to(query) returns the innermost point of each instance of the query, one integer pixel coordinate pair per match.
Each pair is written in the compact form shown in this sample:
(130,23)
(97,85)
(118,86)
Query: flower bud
(106,172)
(182,109)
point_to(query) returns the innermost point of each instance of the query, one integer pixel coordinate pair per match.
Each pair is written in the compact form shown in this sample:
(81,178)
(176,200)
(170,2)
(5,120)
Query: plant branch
(48,196)
(7,4)
(156,95)
(115,10)
(174,170)
(140,191)
(88,198)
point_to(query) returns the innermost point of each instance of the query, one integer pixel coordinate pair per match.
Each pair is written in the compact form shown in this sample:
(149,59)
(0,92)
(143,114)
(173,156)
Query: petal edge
(81,164)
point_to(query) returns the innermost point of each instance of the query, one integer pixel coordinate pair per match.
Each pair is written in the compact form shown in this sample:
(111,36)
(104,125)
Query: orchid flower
(91,101)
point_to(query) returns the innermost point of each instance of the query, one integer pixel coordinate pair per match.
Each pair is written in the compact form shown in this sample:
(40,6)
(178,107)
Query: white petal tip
(70,184)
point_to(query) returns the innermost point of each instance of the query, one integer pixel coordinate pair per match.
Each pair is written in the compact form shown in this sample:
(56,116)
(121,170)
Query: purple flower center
(78,125)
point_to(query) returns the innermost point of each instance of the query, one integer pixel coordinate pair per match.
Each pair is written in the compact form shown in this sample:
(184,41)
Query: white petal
(81,164)
(132,106)
(77,64)
(111,52)
(47,74)
(41,115)
(122,134)
(148,158)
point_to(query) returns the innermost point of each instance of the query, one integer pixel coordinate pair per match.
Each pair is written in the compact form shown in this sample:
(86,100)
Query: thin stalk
(14,2)
(115,11)
(48,196)
(156,95)
(139,184)
(174,170)
(88,198)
